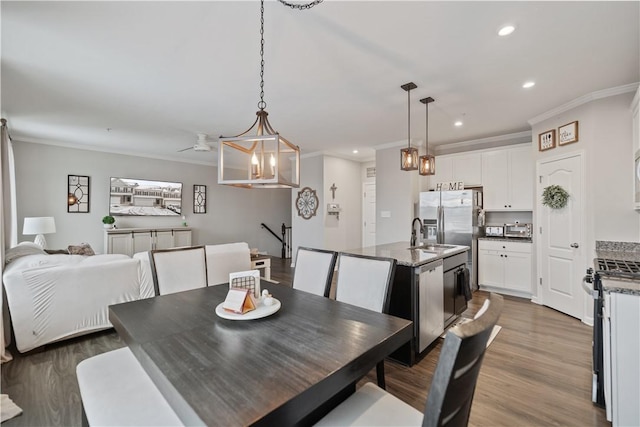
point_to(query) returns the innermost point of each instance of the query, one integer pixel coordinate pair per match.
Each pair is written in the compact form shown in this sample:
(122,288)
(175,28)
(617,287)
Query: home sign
(454,185)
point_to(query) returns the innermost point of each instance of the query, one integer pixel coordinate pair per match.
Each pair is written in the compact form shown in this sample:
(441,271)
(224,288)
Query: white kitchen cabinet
(507,179)
(129,241)
(505,266)
(465,167)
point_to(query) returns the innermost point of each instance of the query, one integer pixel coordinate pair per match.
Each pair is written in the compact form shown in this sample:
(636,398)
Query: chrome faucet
(413,230)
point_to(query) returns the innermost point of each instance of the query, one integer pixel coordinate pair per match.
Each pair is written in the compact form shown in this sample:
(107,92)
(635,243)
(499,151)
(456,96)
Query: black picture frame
(78,188)
(199,199)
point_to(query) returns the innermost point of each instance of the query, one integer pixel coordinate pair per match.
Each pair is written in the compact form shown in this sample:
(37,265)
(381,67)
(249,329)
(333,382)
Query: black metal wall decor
(78,194)
(199,199)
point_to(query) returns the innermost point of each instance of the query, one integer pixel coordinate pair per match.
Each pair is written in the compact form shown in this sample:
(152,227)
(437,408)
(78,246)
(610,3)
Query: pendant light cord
(426,138)
(409,118)
(262,105)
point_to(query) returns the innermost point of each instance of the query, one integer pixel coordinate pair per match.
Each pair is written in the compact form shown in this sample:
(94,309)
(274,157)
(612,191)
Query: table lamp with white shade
(39,225)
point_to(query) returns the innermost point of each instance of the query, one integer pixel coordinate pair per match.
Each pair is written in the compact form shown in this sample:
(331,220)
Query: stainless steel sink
(433,247)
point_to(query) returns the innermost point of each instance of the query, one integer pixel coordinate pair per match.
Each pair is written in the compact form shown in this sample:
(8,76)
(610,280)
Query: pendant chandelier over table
(262,158)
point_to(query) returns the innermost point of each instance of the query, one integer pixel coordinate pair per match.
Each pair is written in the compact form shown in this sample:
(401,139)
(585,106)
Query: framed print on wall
(78,194)
(547,140)
(199,199)
(568,133)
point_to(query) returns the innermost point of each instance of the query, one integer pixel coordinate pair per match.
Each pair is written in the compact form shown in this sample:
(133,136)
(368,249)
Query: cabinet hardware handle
(574,245)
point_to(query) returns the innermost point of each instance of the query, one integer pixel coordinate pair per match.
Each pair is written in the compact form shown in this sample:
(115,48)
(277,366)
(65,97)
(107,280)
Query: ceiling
(147,77)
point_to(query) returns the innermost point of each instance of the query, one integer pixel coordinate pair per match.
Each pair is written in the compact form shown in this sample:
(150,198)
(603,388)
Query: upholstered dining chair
(452,387)
(314,270)
(178,269)
(116,391)
(366,281)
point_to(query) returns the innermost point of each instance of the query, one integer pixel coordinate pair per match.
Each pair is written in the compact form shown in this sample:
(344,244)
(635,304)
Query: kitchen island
(425,290)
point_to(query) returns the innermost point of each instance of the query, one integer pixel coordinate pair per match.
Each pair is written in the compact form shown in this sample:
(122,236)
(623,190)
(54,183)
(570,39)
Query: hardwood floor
(537,372)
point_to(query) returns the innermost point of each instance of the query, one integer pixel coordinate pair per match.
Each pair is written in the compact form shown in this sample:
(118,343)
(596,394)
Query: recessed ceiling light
(355,151)
(458,123)
(506,30)
(527,85)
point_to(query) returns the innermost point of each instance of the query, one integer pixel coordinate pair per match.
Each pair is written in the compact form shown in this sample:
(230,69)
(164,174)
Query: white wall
(233,214)
(320,172)
(396,193)
(345,232)
(308,232)
(605,136)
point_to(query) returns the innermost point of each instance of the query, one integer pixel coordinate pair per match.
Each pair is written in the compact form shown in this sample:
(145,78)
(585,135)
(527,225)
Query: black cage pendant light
(409,155)
(262,159)
(427,163)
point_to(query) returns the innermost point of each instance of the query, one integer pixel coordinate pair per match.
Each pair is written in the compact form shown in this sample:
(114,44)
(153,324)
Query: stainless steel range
(604,268)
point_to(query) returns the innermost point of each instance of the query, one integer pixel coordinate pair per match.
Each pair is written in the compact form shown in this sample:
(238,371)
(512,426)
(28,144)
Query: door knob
(574,245)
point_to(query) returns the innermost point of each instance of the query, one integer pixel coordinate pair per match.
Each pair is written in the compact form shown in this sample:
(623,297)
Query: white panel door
(368,214)
(561,262)
(490,268)
(164,239)
(142,241)
(517,271)
(494,180)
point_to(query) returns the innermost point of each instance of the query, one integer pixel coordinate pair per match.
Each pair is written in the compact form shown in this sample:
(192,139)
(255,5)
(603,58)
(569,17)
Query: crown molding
(104,150)
(395,144)
(584,99)
(489,142)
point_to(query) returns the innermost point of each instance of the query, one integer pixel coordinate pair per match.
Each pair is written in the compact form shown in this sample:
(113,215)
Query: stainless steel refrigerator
(451,217)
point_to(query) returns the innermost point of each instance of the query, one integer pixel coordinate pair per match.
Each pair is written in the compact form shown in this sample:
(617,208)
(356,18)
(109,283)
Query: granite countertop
(402,252)
(623,251)
(506,239)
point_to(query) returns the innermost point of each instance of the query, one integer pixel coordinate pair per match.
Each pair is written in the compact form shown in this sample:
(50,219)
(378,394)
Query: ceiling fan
(200,145)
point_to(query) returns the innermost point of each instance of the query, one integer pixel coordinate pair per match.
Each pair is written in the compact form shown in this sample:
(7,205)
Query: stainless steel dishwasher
(430,301)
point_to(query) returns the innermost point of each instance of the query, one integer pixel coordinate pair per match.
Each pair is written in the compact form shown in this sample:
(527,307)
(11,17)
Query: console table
(130,241)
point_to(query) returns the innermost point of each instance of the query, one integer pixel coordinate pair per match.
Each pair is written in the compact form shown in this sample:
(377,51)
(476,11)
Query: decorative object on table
(409,155)
(307,203)
(199,199)
(261,311)
(267,298)
(78,194)
(260,160)
(427,163)
(246,280)
(39,226)
(108,221)
(239,301)
(555,197)
(547,140)
(132,196)
(568,133)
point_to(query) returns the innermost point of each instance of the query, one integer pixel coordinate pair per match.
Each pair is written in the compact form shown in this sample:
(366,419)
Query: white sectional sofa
(55,297)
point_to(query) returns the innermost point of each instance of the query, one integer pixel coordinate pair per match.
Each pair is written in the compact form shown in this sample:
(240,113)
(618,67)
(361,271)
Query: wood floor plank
(537,372)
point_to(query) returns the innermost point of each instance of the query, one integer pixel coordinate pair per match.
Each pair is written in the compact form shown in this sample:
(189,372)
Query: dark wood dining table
(284,369)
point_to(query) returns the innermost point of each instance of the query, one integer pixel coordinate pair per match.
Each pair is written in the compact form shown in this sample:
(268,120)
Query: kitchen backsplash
(499,218)
(606,245)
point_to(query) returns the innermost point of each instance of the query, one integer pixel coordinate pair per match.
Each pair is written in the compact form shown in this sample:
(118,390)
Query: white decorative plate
(260,312)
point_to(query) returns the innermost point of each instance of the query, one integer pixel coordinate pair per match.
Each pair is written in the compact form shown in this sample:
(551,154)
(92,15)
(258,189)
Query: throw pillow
(81,249)
(23,249)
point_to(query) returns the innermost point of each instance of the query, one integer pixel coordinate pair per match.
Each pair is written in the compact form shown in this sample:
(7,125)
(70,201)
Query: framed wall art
(78,194)
(199,199)
(568,133)
(547,140)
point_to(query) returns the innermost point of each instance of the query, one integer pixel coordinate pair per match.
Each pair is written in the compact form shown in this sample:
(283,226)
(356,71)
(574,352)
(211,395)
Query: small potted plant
(108,221)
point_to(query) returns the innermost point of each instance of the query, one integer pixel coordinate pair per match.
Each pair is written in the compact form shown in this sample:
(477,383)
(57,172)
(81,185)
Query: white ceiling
(146,77)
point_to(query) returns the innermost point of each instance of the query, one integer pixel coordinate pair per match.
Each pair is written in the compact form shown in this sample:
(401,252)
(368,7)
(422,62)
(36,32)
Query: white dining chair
(452,387)
(366,281)
(226,258)
(178,269)
(116,391)
(314,270)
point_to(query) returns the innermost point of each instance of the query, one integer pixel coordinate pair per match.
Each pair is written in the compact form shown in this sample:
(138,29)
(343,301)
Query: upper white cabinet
(465,167)
(507,179)
(130,241)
